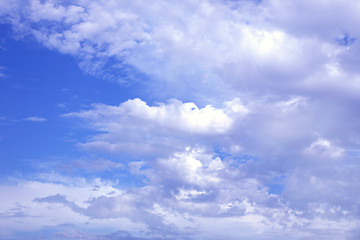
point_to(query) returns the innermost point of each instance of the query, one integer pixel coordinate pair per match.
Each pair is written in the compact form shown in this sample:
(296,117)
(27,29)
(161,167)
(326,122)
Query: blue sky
(195,119)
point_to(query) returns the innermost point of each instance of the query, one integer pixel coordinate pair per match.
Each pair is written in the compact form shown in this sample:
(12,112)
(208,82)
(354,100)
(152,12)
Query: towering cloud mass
(249,131)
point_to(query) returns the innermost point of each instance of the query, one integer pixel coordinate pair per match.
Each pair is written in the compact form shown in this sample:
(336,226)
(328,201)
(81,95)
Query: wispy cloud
(35,119)
(2,70)
(98,165)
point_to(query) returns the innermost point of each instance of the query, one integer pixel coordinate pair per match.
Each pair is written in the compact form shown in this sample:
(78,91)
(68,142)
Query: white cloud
(24,214)
(267,139)
(264,143)
(325,148)
(184,195)
(135,127)
(205,46)
(327,25)
(35,119)
(183,116)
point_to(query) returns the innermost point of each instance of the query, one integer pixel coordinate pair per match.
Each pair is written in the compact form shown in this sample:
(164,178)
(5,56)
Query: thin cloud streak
(35,119)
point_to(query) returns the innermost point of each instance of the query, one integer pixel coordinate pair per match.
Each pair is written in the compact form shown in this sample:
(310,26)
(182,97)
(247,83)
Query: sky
(179,120)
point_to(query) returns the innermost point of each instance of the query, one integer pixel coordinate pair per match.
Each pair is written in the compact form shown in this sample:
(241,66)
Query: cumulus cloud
(134,126)
(184,196)
(271,142)
(176,115)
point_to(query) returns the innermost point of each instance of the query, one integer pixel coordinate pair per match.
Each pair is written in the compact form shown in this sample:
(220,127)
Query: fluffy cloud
(184,196)
(210,47)
(134,126)
(271,143)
